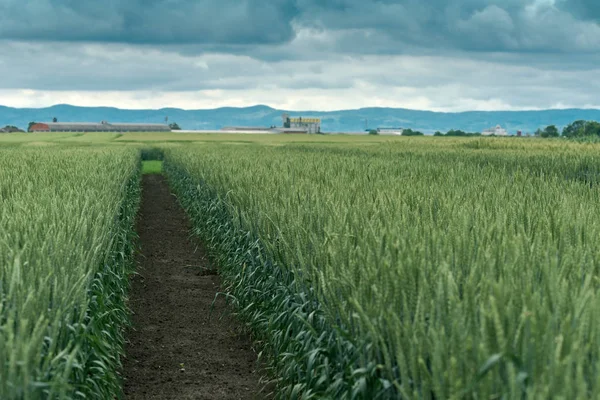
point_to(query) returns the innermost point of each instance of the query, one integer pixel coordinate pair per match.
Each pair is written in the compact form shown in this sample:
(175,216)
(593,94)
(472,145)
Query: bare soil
(178,348)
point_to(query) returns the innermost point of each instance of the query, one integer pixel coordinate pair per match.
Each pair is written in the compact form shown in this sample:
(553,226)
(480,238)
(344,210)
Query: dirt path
(177,349)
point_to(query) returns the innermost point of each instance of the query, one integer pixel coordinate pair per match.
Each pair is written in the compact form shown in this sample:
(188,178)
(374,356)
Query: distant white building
(498,131)
(390,131)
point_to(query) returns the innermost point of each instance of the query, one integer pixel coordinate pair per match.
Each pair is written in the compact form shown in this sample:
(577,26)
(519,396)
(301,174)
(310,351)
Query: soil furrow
(177,348)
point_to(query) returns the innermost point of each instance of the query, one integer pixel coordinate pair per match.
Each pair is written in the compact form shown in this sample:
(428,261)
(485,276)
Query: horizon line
(306,111)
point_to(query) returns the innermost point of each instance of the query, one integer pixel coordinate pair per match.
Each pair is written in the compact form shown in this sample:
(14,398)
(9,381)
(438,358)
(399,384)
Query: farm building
(301,125)
(246,129)
(10,129)
(498,131)
(390,131)
(97,127)
(292,130)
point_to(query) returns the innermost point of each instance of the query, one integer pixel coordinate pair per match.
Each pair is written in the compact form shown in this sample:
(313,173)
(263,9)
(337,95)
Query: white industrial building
(497,131)
(390,131)
(301,125)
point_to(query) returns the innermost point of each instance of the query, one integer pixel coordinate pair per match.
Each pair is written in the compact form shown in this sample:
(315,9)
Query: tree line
(581,129)
(576,129)
(456,132)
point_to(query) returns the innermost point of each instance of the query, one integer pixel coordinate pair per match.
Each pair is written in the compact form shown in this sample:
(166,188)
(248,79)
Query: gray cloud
(441,54)
(473,25)
(442,82)
(386,26)
(584,9)
(148,21)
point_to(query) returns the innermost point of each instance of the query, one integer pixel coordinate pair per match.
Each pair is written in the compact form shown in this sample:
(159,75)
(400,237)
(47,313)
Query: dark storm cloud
(584,9)
(444,54)
(473,25)
(359,26)
(148,21)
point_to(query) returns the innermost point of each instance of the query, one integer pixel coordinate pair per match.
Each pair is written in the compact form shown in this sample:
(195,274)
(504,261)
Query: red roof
(39,128)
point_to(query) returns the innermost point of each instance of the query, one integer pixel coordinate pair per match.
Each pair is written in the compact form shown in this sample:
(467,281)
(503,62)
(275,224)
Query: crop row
(401,270)
(66,234)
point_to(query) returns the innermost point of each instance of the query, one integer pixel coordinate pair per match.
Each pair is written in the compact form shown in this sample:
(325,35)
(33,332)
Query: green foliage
(550,131)
(410,132)
(576,129)
(403,270)
(458,132)
(152,154)
(373,132)
(592,128)
(174,126)
(586,139)
(152,167)
(303,347)
(579,129)
(66,233)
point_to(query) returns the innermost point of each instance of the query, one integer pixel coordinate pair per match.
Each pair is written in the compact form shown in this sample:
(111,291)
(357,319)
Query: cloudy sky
(443,55)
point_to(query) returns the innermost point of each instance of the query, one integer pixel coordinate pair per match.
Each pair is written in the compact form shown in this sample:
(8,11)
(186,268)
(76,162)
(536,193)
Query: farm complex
(297,125)
(364,267)
(103,126)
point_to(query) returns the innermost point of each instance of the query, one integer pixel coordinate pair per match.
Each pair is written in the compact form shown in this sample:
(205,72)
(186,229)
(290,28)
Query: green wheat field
(366,267)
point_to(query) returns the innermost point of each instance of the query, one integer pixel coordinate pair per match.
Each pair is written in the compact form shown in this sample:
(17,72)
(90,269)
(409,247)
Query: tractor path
(177,349)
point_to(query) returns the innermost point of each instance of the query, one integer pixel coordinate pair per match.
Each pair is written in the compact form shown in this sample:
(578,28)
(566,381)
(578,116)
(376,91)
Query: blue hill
(332,121)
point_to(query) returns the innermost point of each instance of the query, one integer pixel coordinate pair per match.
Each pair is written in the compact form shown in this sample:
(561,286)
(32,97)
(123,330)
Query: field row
(66,236)
(404,270)
(414,268)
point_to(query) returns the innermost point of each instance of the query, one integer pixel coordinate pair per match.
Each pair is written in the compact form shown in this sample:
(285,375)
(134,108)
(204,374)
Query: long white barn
(97,127)
(498,131)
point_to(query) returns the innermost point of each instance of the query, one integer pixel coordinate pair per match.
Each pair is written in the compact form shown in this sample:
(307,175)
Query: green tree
(410,132)
(438,133)
(575,129)
(591,128)
(456,132)
(373,132)
(550,131)
(30,125)
(11,129)
(174,126)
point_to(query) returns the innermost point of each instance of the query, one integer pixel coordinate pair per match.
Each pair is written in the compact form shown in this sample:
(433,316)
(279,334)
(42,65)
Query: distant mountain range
(332,121)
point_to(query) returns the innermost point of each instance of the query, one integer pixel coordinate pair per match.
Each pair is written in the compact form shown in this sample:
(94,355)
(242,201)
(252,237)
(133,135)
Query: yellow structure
(301,120)
(308,125)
